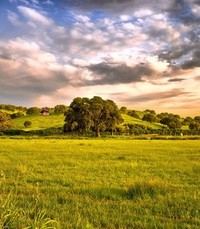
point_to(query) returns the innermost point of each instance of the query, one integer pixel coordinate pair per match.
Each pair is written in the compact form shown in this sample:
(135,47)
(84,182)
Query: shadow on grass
(139,190)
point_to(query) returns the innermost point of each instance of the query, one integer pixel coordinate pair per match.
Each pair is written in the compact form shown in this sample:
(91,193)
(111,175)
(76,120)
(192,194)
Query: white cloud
(34,15)
(80,62)
(158,65)
(125,17)
(143,13)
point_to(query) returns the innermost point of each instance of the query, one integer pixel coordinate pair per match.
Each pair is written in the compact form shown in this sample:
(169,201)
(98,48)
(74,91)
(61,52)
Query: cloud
(198,78)
(118,5)
(27,71)
(105,73)
(133,49)
(176,80)
(158,96)
(34,15)
(194,61)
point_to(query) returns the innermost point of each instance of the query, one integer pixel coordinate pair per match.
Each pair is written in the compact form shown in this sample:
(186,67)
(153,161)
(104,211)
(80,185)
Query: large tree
(172,122)
(5,122)
(94,114)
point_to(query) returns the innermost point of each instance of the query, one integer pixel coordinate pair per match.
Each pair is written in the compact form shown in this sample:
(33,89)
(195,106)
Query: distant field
(39,122)
(99,183)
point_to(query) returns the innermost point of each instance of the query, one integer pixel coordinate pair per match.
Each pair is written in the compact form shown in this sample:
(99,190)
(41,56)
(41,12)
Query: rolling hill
(40,122)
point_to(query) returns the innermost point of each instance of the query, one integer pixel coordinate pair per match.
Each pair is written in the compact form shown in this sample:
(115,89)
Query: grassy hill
(40,122)
(131,120)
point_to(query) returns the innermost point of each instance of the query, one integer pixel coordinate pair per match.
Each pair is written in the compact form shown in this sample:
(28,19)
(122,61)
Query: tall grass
(52,183)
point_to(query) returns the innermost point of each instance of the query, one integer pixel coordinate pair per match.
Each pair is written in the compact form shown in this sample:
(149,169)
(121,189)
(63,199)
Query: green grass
(99,183)
(131,120)
(39,122)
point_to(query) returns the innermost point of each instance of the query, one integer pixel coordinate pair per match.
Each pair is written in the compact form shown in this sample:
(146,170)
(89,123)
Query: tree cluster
(92,115)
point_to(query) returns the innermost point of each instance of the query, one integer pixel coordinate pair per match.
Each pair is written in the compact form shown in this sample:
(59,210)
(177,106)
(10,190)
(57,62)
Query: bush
(16,115)
(27,124)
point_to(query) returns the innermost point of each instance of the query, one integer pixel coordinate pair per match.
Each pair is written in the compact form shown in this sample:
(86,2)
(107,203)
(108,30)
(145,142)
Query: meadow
(99,183)
(39,122)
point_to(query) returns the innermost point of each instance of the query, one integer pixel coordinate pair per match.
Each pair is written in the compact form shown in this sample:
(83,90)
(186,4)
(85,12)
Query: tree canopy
(98,115)
(60,109)
(33,110)
(5,122)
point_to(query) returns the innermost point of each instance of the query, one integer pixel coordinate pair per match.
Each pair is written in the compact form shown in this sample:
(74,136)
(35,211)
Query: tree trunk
(98,134)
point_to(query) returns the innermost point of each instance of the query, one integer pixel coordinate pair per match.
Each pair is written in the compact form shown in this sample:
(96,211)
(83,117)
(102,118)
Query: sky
(140,54)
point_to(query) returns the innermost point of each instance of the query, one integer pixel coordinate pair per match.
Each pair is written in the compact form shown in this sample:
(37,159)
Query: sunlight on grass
(51,183)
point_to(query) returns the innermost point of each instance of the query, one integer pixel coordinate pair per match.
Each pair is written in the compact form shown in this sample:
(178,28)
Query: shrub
(16,115)
(27,124)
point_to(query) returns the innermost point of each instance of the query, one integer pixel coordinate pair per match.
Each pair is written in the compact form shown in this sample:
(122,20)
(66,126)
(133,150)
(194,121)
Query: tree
(17,115)
(148,111)
(5,122)
(85,115)
(149,117)
(194,126)
(123,110)
(27,124)
(133,114)
(187,121)
(60,109)
(197,118)
(33,110)
(172,122)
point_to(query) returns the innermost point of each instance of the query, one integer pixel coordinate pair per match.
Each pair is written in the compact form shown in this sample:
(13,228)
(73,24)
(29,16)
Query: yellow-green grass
(99,183)
(131,120)
(39,122)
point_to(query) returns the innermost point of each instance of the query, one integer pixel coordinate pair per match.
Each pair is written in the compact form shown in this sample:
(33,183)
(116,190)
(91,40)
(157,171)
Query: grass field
(49,183)
(39,122)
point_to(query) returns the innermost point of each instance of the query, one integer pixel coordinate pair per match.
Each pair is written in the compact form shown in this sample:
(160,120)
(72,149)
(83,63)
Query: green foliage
(98,115)
(148,111)
(172,122)
(33,110)
(5,122)
(17,115)
(27,123)
(133,114)
(194,125)
(197,119)
(187,121)
(60,109)
(123,110)
(149,117)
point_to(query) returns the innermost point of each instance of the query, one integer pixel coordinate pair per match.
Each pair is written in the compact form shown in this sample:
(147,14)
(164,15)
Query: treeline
(173,122)
(18,111)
